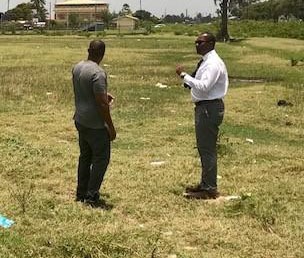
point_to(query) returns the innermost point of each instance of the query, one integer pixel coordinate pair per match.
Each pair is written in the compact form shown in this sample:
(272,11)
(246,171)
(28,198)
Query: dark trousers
(93,160)
(208,117)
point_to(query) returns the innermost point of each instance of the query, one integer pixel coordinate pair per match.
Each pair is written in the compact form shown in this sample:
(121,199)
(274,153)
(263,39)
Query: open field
(150,218)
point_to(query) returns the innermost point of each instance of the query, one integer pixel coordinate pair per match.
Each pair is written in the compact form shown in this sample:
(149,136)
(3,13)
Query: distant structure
(84,10)
(126,22)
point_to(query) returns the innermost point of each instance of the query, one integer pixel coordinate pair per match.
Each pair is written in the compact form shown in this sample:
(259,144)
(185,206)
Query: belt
(207,101)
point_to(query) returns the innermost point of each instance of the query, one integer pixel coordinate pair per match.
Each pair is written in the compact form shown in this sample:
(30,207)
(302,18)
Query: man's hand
(102,100)
(179,69)
(112,132)
(110,99)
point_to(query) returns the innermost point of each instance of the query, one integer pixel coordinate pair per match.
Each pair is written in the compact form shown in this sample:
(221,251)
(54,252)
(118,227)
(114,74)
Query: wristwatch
(182,75)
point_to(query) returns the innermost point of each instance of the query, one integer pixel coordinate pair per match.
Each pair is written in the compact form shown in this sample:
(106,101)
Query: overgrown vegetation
(261,152)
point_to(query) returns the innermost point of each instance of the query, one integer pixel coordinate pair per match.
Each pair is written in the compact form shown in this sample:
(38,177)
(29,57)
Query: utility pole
(1,21)
(50,10)
(8,4)
(50,18)
(141,14)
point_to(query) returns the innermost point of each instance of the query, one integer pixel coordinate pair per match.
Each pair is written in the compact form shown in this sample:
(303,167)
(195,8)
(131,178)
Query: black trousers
(95,149)
(208,117)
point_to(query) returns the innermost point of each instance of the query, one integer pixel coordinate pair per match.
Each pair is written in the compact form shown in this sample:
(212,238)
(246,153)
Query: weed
(23,194)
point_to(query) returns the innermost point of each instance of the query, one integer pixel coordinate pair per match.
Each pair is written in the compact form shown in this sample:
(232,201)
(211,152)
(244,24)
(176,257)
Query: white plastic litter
(160,85)
(190,248)
(249,140)
(172,256)
(157,163)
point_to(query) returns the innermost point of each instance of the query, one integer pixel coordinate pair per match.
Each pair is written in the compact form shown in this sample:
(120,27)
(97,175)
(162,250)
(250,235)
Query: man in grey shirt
(93,122)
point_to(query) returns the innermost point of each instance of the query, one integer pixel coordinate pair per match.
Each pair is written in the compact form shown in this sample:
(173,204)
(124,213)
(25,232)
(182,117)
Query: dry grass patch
(263,59)
(277,43)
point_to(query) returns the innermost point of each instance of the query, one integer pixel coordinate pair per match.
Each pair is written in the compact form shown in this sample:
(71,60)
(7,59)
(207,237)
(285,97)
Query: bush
(250,28)
(178,32)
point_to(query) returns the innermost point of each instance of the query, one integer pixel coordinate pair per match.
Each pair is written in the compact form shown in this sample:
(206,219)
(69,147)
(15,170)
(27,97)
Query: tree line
(257,10)
(239,9)
(27,11)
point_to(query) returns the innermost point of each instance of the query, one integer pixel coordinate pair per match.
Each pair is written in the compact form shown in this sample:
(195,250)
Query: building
(82,10)
(126,22)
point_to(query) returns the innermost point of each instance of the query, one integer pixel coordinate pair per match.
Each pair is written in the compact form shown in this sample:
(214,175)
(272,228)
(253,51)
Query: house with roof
(84,10)
(125,22)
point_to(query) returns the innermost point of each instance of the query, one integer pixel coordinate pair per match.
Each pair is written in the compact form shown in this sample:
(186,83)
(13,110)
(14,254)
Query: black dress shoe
(194,188)
(79,199)
(202,194)
(98,204)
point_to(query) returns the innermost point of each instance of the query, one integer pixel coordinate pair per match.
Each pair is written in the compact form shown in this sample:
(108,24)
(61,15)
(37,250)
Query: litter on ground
(249,140)
(5,222)
(160,85)
(157,163)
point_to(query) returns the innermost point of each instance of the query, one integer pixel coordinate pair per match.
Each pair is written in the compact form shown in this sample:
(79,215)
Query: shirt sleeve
(205,78)
(99,81)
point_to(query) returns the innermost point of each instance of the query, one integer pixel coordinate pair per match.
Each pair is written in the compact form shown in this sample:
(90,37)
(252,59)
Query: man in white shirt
(208,85)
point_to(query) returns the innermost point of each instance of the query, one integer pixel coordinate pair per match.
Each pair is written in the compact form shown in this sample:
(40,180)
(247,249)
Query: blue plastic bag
(5,222)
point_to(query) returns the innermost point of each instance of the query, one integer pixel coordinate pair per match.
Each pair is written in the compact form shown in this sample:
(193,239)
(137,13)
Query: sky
(156,7)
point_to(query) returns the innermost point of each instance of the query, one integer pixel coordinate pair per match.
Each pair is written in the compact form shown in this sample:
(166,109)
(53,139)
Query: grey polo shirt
(88,78)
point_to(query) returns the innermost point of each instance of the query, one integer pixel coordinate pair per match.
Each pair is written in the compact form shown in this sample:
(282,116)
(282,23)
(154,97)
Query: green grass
(150,218)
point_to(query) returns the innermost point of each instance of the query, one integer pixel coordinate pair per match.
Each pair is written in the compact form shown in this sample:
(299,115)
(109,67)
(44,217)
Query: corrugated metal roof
(76,2)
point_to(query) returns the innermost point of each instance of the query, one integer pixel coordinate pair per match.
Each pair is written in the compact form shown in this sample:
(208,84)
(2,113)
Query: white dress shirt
(211,79)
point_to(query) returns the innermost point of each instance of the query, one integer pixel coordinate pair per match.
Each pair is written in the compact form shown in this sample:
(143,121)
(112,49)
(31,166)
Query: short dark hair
(97,48)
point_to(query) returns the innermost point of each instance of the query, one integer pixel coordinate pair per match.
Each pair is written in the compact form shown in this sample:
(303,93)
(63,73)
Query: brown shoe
(203,194)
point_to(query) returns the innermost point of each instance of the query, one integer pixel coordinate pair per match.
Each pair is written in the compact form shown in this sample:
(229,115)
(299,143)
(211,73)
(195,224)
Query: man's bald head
(209,37)
(96,50)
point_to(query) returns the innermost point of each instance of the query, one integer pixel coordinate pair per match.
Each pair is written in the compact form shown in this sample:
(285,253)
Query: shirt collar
(205,57)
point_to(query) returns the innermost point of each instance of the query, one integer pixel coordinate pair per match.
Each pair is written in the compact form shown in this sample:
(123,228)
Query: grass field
(260,152)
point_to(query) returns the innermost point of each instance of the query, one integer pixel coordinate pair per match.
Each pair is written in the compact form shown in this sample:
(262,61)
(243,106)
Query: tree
(239,8)
(143,15)
(268,10)
(292,7)
(20,12)
(107,17)
(223,34)
(172,19)
(126,10)
(73,20)
(41,11)
(225,6)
